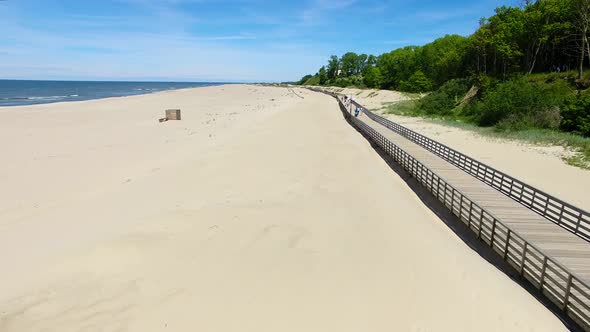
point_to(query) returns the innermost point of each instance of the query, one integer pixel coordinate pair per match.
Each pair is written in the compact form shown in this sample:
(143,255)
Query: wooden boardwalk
(553,259)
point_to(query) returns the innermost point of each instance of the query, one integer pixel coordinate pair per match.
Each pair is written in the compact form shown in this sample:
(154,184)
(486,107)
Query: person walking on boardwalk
(358,111)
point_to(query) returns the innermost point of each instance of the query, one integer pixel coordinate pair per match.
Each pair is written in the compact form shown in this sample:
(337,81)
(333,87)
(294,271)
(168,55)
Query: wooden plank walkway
(553,259)
(552,239)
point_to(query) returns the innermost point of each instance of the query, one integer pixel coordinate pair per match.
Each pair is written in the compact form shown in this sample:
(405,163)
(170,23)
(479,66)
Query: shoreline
(147,92)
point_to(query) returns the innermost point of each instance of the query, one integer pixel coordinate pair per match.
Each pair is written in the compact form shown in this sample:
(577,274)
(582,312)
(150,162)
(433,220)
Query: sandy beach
(262,210)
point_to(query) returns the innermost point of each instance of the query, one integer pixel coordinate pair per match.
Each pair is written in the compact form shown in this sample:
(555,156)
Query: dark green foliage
(333,66)
(323,76)
(314,80)
(518,104)
(372,77)
(418,82)
(444,58)
(304,79)
(355,81)
(437,103)
(539,37)
(444,100)
(397,66)
(576,115)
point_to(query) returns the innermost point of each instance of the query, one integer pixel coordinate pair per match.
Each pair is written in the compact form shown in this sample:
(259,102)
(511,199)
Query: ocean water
(17,92)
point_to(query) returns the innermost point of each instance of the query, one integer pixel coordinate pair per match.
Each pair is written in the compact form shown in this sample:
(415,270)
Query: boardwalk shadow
(463,232)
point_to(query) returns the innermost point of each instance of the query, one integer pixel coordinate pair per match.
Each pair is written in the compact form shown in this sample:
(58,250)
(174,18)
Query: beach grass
(579,146)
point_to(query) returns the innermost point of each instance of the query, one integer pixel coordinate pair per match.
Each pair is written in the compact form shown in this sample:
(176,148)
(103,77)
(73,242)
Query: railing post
(460,206)
(560,214)
(546,205)
(480,224)
(470,213)
(452,200)
(522,261)
(568,291)
(507,243)
(579,221)
(543,272)
(493,232)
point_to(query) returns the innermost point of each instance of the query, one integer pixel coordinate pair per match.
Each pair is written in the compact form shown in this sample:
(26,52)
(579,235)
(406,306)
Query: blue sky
(214,40)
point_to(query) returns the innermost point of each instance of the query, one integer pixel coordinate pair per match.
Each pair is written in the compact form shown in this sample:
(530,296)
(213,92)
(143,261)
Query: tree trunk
(582,53)
(485,62)
(534,58)
(495,61)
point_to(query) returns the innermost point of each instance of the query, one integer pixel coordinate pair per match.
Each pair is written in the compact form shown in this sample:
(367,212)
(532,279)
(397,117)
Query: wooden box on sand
(173,114)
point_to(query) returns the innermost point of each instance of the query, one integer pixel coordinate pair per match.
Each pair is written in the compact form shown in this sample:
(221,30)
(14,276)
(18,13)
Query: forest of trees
(539,37)
(503,54)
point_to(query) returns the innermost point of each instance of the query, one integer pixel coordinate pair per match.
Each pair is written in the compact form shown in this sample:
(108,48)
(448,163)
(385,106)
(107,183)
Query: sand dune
(261,210)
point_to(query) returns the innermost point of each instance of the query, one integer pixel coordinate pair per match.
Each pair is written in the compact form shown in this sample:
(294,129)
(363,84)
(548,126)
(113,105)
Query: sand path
(286,220)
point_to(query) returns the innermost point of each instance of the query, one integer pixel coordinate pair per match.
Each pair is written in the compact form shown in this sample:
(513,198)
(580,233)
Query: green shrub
(403,107)
(519,103)
(418,82)
(443,100)
(304,79)
(314,80)
(348,81)
(576,115)
(549,118)
(372,77)
(436,103)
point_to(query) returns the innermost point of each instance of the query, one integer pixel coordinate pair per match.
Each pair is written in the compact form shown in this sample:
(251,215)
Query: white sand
(369,98)
(259,211)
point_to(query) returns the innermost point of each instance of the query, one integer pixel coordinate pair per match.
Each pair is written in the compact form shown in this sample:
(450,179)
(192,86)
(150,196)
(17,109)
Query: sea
(20,92)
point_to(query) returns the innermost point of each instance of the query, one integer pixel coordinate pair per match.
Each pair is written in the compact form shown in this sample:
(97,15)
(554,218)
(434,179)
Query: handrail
(563,287)
(568,216)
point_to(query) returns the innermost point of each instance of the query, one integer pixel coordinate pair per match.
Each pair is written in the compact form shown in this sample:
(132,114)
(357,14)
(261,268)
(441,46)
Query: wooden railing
(571,218)
(568,291)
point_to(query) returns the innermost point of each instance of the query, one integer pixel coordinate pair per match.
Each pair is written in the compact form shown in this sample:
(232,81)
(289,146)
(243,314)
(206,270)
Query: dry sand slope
(284,219)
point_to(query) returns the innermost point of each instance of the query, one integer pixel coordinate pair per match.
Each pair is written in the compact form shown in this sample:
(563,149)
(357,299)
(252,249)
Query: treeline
(507,53)
(542,36)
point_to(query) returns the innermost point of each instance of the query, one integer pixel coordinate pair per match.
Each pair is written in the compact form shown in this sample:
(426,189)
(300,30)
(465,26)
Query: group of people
(349,102)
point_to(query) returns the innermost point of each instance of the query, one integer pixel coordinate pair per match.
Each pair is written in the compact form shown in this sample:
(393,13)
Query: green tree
(444,58)
(418,82)
(372,77)
(349,64)
(397,66)
(576,115)
(333,67)
(304,79)
(323,76)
